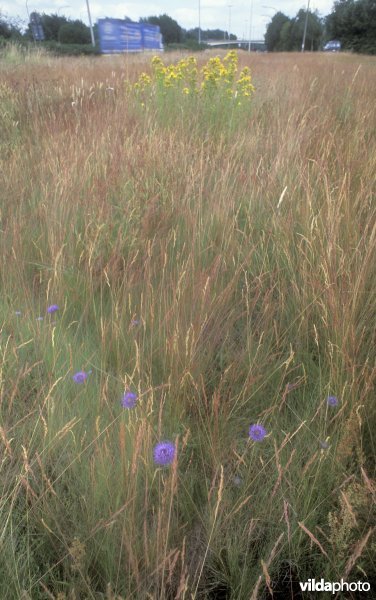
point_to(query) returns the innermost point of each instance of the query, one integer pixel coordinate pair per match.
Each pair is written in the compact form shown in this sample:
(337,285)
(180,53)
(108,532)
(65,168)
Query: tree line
(55,27)
(351,22)
(60,29)
(173,33)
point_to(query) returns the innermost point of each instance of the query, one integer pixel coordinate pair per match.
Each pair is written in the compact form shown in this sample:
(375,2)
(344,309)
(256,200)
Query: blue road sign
(117,35)
(151,36)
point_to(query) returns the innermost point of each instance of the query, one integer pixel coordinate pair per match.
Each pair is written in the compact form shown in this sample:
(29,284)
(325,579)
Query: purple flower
(164,453)
(129,400)
(332,400)
(80,377)
(53,308)
(257,432)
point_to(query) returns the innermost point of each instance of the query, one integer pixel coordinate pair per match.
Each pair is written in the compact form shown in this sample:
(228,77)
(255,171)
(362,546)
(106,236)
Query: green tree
(9,28)
(284,34)
(207,34)
(314,33)
(353,23)
(51,25)
(273,31)
(285,37)
(74,32)
(171,31)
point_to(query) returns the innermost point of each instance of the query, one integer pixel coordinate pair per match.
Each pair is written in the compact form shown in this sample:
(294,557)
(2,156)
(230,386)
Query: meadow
(195,270)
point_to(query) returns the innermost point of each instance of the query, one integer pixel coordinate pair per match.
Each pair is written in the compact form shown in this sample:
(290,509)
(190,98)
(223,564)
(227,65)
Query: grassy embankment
(224,269)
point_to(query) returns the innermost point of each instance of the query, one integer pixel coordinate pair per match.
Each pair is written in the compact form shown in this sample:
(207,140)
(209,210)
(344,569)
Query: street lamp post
(90,23)
(272,7)
(305,26)
(245,30)
(57,12)
(199,22)
(62,7)
(250,25)
(28,16)
(229,19)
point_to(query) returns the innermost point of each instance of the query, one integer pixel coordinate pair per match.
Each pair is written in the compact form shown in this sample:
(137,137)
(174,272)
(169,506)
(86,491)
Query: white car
(332,46)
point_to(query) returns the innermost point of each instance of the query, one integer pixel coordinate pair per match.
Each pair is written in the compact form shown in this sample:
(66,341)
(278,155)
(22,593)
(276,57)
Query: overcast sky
(214,13)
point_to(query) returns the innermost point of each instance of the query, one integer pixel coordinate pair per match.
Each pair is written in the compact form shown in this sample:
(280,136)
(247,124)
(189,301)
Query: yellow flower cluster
(244,85)
(220,74)
(215,77)
(144,81)
(172,75)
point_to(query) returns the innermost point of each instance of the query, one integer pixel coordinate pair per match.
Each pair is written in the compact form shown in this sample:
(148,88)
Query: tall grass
(226,274)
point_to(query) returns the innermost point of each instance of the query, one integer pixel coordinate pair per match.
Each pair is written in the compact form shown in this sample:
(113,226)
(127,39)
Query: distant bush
(191,45)
(70,49)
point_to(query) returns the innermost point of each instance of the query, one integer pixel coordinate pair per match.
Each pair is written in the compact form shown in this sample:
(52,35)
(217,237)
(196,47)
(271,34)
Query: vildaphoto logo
(334,586)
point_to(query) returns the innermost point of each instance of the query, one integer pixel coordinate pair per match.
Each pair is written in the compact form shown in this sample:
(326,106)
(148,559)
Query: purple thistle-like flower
(332,401)
(164,453)
(257,432)
(80,377)
(129,400)
(52,309)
